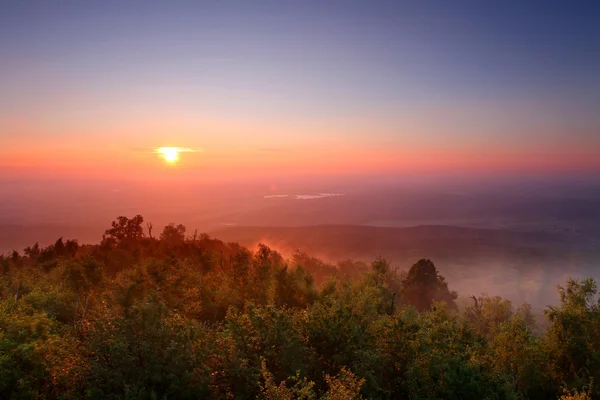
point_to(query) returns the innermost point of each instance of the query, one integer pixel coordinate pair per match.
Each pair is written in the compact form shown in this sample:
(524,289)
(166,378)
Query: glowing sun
(170,154)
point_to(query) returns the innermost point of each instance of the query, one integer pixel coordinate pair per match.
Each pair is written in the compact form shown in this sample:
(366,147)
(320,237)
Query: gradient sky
(298,87)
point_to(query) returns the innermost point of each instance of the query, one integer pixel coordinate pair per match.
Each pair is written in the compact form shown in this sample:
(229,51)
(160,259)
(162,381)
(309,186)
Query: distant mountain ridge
(365,237)
(525,266)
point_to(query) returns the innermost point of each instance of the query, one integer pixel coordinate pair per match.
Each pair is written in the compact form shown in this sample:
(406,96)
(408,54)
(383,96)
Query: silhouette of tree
(71,247)
(126,231)
(59,247)
(32,251)
(423,286)
(173,233)
(149,226)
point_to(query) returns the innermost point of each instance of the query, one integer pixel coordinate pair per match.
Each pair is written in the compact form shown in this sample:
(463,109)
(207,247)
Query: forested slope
(184,316)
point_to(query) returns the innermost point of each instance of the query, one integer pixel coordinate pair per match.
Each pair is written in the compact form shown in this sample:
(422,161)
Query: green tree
(573,338)
(153,353)
(294,288)
(487,313)
(37,360)
(516,353)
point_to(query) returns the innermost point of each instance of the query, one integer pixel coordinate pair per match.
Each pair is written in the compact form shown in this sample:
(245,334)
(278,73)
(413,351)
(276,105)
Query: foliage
(576,394)
(179,317)
(573,338)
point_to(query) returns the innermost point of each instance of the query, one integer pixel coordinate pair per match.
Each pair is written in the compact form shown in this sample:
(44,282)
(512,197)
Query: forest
(181,315)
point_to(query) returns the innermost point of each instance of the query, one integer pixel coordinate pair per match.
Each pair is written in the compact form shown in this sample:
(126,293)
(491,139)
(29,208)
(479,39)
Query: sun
(170,154)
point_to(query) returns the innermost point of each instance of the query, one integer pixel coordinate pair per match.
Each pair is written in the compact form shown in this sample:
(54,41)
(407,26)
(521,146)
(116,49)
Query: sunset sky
(297,87)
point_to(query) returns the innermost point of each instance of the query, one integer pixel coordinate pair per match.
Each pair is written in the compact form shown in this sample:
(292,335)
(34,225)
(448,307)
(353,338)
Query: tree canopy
(178,317)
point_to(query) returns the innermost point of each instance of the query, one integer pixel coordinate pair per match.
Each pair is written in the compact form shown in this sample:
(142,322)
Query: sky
(259,88)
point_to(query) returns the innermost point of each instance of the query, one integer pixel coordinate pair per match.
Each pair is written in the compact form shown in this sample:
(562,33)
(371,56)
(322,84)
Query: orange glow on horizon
(221,161)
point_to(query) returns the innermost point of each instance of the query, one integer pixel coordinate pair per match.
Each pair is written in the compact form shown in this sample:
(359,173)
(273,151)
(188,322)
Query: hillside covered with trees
(174,315)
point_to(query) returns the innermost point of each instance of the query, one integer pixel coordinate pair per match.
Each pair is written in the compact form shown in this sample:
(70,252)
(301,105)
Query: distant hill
(365,242)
